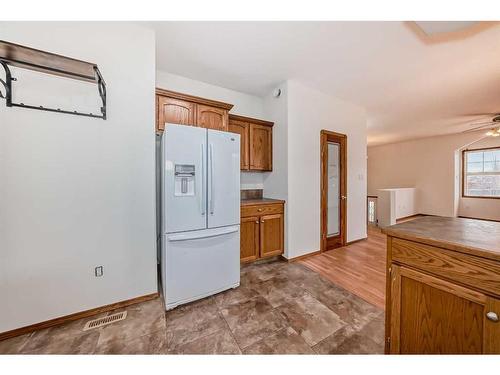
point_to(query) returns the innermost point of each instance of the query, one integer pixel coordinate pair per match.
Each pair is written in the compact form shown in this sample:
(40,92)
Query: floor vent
(101,322)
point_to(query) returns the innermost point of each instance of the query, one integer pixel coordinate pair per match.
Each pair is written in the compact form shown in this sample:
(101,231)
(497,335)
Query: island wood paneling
(479,273)
(434,321)
(444,287)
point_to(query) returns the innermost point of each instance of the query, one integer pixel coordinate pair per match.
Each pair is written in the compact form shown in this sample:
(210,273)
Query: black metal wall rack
(29,58)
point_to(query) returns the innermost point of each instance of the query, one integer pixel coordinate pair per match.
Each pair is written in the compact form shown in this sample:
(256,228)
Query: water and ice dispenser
(184,180)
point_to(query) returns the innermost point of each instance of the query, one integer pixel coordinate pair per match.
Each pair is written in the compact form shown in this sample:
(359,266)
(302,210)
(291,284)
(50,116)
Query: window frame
(464,173)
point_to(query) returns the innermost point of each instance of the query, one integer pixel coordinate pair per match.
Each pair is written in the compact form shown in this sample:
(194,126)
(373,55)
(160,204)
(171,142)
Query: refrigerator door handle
(203,182)
(203,234)
(212,204)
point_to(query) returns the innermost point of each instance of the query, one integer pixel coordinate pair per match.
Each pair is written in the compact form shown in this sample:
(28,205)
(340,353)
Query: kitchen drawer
(476,272)
(262,209)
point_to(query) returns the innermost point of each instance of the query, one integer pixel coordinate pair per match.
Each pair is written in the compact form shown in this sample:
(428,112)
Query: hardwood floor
(358,268)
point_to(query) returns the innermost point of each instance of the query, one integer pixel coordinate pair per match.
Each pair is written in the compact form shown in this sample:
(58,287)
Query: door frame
(341,139)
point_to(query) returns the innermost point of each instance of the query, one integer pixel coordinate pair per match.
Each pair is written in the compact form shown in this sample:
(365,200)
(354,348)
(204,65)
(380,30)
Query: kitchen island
(443,286)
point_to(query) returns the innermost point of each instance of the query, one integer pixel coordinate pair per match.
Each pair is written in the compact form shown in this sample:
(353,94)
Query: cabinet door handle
(260,209)
(492,316)
(262,221)
(257,222)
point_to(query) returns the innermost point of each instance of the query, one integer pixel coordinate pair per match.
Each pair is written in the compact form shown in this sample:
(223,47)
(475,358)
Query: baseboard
(477,218)
(75,316)
(354,241)
(300,257)
(409,217)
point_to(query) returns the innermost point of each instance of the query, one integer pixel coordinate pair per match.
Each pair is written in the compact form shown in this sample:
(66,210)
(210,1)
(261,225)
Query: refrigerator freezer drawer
(199,263)
(199,234)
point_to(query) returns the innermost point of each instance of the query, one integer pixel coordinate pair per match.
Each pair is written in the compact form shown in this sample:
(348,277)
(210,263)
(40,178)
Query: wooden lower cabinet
(262,233)
(271,235)
(249,239)
(446,313)
(434,316)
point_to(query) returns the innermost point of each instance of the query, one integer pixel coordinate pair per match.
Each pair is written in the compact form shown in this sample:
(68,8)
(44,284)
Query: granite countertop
(254,201)
(475,237)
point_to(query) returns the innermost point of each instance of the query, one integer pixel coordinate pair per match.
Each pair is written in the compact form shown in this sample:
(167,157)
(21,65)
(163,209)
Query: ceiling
(412,83)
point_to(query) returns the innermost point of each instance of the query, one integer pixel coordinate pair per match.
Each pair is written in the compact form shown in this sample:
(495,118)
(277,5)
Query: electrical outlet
(98,271)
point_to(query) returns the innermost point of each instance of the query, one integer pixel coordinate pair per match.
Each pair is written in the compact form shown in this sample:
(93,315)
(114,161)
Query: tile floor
(280,308)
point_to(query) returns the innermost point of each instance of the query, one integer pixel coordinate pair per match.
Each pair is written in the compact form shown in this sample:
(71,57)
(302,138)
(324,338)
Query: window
(481,173)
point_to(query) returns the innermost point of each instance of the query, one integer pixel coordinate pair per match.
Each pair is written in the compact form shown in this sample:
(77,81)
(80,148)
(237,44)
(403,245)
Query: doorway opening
(333,190)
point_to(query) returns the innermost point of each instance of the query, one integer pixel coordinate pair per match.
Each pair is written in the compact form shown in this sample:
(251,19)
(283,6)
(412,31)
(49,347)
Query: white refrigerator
(200,219)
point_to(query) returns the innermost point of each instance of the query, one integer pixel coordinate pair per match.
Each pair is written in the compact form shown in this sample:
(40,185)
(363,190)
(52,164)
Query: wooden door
(271,235)
(431,316)
(261,144)
(249,239)
(175,111)
(333,209)
(211,117)
(242,128)
(492,327)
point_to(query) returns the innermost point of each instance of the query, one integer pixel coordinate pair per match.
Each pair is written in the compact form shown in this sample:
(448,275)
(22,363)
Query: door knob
(492,316)
(343,197)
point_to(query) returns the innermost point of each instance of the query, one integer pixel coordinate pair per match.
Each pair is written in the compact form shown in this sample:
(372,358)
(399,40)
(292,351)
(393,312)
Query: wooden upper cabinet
(175,111)
(211,117)
(261,145)
(177,108)
(256,142)
(243,129)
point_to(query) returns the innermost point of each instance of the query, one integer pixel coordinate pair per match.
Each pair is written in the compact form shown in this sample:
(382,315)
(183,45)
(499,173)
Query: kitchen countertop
(475,237)
(253,202)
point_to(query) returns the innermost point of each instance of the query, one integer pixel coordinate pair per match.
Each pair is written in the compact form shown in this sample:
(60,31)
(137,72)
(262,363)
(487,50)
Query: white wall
(393,204)
(244,104)
(276,182)
(78,192)
(432,166)
(405,202)
(309,111)
(386,207)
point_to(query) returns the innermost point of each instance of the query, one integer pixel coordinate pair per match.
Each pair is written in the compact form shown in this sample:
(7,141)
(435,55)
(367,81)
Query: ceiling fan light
(496,135)
(498,130)
(490,133)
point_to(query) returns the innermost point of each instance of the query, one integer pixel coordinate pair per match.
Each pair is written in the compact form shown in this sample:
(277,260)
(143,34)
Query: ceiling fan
(493,125)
